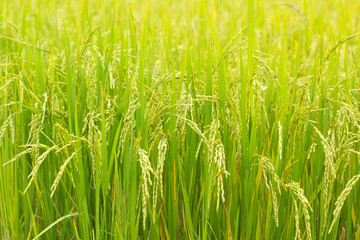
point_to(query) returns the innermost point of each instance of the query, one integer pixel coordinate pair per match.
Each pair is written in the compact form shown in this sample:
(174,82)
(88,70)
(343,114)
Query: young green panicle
(162,149)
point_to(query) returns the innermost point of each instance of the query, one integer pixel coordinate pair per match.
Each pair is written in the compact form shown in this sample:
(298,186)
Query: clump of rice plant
(180,119)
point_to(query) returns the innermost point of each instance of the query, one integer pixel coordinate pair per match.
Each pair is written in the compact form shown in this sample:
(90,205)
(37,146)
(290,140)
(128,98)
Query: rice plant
(156,119)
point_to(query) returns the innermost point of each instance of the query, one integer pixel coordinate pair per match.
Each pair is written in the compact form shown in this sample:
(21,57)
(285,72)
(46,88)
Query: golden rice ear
(296,190)
(43,109)
(129,123)
(297,222)
(4,127)
(162,149)
(268,168)
(112,80)
(342,198)
(38,162)
(329,169)
(220,172)
(61,172)
(196,128)
(145,180)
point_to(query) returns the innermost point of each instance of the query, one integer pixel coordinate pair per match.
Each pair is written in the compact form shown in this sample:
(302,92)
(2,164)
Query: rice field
(201,119)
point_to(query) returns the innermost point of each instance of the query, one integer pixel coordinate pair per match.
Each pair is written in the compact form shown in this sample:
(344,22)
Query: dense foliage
(157,119)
